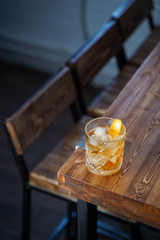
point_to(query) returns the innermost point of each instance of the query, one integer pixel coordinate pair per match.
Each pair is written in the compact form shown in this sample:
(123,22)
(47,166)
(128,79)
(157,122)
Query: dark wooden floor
(17,83)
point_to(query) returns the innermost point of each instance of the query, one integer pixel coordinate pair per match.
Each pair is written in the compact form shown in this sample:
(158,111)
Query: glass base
(101,171)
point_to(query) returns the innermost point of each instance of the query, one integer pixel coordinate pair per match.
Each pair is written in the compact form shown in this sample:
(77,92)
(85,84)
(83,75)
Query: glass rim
(94,119)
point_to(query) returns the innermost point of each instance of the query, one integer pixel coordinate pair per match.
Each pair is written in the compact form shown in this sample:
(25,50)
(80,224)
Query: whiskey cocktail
(104,145)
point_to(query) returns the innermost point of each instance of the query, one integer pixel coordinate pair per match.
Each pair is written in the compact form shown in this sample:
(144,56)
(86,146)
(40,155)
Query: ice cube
(93,142)
(105,139)
(99,160)
(109,138)
(112,151)
(99,132)
(113,159)
(115,136)
(101,135)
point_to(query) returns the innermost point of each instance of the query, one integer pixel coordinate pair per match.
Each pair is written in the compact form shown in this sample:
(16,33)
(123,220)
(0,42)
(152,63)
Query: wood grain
(134,191)
(95,53)
(38,112)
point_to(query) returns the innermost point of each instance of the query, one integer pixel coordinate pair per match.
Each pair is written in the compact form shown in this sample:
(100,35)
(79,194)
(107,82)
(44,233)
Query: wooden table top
(134,191)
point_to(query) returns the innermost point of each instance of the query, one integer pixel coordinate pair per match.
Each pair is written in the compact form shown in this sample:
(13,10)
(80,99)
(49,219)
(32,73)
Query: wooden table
(134,192)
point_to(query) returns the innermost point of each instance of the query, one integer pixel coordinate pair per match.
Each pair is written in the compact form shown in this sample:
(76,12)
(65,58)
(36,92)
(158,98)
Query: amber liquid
(104,158)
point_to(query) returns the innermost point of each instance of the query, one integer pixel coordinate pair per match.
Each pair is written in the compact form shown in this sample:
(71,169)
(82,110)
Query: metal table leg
(87,220)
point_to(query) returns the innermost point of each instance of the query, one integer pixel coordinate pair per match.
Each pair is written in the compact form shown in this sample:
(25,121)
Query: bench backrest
(32,118)
(95,53)
(130,14)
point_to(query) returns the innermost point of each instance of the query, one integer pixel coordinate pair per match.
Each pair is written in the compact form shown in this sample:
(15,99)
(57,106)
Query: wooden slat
(140,93)
(134,191)
(146,47)
(99,105)
(38,112)
(44,175)
(88,61)
(130,14)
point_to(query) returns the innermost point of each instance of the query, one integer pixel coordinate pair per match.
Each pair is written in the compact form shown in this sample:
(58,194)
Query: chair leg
(87,220)
(135,231)
(26,212)
(151,23)
(72,225)
(121,58)
(75,113)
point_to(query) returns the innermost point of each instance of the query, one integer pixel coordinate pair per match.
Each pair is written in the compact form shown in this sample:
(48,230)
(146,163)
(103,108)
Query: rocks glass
(104,145)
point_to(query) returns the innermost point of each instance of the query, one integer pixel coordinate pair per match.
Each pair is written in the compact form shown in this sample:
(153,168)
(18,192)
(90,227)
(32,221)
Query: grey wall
(44,33)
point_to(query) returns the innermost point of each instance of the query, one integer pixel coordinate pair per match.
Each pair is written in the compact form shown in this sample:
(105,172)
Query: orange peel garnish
(115,127)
